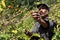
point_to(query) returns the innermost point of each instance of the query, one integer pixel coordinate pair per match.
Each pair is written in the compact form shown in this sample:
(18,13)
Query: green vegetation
(15,17)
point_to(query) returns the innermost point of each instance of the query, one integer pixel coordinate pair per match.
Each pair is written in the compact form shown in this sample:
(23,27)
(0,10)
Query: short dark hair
(43,6)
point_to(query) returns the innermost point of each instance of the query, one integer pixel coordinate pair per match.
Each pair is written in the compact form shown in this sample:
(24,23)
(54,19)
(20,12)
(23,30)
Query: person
(43,25)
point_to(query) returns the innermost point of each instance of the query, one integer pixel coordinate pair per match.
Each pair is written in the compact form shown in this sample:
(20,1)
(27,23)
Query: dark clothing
(45,33)
(34,38)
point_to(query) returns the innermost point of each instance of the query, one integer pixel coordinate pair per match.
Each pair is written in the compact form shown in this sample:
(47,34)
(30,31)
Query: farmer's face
(43,12)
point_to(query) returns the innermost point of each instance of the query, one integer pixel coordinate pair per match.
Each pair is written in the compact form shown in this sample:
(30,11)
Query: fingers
(35,15)
(28,33)
(25,31)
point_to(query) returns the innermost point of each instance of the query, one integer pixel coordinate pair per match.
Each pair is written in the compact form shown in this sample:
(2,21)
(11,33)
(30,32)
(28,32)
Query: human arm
(37,17)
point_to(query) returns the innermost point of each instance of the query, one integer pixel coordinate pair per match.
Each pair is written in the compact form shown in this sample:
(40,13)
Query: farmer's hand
(35,15)
(28,33)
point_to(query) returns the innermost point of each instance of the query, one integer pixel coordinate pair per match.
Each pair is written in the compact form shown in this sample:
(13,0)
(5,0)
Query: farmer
(42,25)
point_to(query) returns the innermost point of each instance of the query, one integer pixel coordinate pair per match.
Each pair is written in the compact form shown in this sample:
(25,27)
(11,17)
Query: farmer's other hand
(27,32)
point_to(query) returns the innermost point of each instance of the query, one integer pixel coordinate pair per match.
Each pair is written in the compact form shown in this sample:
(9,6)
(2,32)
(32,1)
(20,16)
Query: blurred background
(15,17)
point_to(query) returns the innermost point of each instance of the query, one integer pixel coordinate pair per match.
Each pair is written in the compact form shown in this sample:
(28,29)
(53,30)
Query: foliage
(15,17)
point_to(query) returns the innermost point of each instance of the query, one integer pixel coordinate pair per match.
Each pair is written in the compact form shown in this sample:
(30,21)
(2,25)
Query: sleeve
(50,23)
(36,27)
